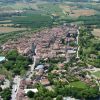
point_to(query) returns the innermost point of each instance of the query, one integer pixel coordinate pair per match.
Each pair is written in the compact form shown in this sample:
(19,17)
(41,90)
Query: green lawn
(97,74)
(78,84)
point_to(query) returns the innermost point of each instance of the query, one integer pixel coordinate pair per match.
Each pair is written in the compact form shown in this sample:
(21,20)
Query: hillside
(13,1)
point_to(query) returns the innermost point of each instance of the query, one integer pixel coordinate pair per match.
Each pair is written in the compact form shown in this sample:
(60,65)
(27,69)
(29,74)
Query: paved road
(15,87)
(17,79)
(77,43)
(31,71)
(33,65)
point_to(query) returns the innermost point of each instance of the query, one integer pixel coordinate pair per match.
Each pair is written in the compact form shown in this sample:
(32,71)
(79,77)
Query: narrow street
(31,71)
(15,87)
(17,79)
(77,43)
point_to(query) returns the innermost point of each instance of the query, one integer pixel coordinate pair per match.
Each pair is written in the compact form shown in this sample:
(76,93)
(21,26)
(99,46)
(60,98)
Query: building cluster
(21,95)
(40,75)
(27,85)
(54,43)
(4,82)
(48,43)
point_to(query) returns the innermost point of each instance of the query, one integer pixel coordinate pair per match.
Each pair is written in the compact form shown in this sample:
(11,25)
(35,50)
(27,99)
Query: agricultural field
(33,20)
(50,9)
(21,16)
(96,32)
(81,12)
(5,21)
(65,8)
(22,6)
(10,29)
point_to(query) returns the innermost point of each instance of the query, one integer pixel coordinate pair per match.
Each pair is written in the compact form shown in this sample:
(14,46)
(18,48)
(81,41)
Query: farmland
(81,12)
(96,32)
(21,16)
(34,20)
(21,6)
(10,29)
(76,12)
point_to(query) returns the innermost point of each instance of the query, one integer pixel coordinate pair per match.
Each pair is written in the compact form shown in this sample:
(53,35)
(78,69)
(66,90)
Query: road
(17,79)
(77,43)
(33,65)
(31,71)
(15,87)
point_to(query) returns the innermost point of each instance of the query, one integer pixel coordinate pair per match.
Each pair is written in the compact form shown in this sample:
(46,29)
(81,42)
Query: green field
(97,74)
(34,20)
(78,84)
(50,8)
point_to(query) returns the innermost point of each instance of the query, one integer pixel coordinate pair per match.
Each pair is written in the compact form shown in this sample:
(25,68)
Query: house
(2,78)
(45,82)
(20,95)
(39,67)
(61,65)
(22,84)
(33,90)
(1,98)
(40,72)
(2,58)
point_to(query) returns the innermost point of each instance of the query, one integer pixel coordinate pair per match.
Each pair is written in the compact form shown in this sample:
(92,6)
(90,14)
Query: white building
(33,90)
(2,58)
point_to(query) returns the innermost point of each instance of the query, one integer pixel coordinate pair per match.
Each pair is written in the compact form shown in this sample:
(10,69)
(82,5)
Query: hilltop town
(51,50)
(48,43)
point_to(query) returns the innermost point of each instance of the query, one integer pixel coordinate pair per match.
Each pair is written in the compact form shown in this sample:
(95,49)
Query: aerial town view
(49,49)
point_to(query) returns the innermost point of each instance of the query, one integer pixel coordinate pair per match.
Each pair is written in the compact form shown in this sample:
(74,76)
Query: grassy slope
(78,84)
(97,74)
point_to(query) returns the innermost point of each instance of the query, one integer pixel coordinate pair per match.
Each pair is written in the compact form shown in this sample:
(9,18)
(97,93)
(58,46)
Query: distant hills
(13,1)
(8,0)
(73,0)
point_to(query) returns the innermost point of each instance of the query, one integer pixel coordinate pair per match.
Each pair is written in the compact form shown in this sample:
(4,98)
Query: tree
(0,89)
(17,63)
(11,55)
(59,97)
(48,98)
(30,94)
(39,98)
(16,71)
(6,94)
(8,65)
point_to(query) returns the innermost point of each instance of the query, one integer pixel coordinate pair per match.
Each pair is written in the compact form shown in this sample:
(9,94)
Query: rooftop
(33,90)
(2,58)
(39,67)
